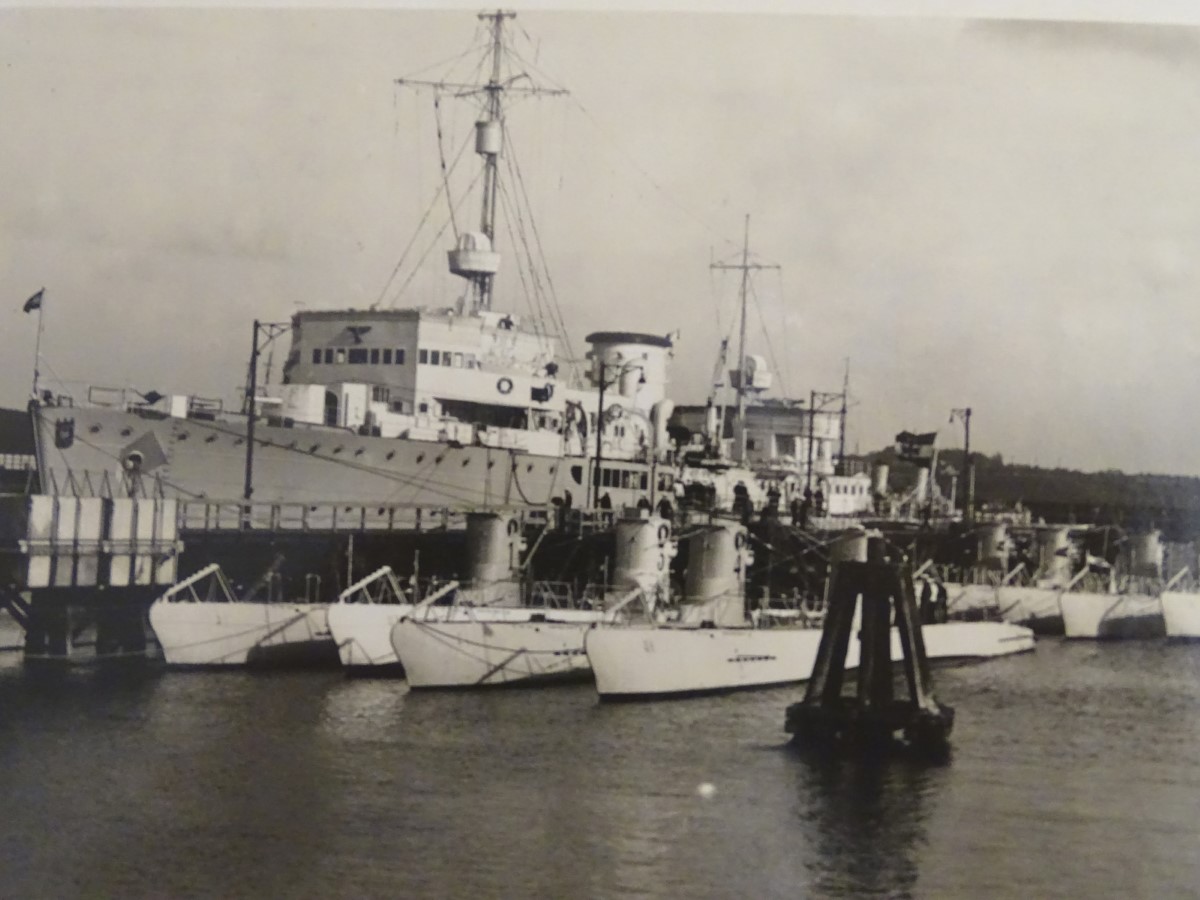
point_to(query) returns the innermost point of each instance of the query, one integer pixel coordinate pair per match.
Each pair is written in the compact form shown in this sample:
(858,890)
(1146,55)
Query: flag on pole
(917,448)
(34,302)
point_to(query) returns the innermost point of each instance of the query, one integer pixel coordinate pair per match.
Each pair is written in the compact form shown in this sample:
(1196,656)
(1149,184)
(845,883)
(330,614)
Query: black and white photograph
(689,450)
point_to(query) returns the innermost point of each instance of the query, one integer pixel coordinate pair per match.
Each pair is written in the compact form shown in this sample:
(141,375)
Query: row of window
(856,489)
(358,356)
(374,356)
(624,478)
(17,461)
(446,358)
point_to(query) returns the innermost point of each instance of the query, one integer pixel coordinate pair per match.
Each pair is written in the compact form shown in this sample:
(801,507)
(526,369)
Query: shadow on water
(44,689)
(867,815)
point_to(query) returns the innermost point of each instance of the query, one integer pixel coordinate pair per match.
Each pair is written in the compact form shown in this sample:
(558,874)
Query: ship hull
(489,654)
(363,631)
(81,450)
(645,662)
(1036,608)
(1181,615)
(970,599)
(1092,616)
(241,633)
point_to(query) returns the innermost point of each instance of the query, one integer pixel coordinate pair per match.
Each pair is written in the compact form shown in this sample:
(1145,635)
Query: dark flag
(34,302)
(917,448)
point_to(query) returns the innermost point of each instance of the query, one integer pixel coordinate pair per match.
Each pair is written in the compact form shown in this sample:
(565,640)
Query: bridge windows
(361,356)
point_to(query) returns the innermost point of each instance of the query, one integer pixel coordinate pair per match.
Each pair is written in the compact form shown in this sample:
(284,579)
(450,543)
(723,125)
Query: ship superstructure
(460,406)
(771,451)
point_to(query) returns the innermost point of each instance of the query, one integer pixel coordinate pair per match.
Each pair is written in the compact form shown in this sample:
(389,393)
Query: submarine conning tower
(494,544)
(715,584)
(643,556)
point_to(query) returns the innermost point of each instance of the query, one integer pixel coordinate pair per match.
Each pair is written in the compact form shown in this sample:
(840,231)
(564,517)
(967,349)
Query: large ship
(467,406)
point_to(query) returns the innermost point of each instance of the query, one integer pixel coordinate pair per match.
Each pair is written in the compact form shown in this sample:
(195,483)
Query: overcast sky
(995,214)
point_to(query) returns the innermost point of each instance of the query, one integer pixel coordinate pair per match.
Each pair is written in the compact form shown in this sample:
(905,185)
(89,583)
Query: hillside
(1170,502)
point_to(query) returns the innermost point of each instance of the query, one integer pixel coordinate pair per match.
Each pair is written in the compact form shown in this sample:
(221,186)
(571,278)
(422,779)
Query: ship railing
(205,408)
(99,395)
(205,586)
(553,595)
(587,521)
(204,515)
(804,608)
(381,586)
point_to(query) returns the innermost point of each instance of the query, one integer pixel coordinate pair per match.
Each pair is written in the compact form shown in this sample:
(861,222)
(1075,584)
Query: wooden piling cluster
(872,717)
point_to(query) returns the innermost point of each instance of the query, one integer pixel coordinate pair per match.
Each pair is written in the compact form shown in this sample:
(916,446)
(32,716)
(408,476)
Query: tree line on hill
(1110,497)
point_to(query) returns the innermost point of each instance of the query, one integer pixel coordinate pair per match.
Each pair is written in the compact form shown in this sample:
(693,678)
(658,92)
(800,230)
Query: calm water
(1076,772)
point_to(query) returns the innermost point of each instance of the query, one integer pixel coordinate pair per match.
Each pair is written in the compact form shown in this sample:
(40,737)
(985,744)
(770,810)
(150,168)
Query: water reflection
(868,821)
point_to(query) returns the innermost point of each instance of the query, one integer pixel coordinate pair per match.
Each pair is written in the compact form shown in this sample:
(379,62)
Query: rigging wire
(762,320)
(447,64)
(433,245)
(417,233)
(783,331)
(529,289)
(437,115)
(679,205)
(552,303)
(479,51)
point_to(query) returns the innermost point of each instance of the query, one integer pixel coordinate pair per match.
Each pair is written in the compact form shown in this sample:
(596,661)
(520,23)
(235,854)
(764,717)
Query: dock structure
(870,719)
(78,573)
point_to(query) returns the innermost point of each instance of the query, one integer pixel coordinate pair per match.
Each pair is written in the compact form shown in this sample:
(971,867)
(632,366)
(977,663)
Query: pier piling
(870,718)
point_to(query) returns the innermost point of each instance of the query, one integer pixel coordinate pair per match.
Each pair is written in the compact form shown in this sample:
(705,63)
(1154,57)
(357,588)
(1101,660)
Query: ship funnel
(716,575)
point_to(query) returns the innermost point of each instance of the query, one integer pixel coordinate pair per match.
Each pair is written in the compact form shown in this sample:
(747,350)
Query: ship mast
(487,219)
(474,257)
(746,267)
